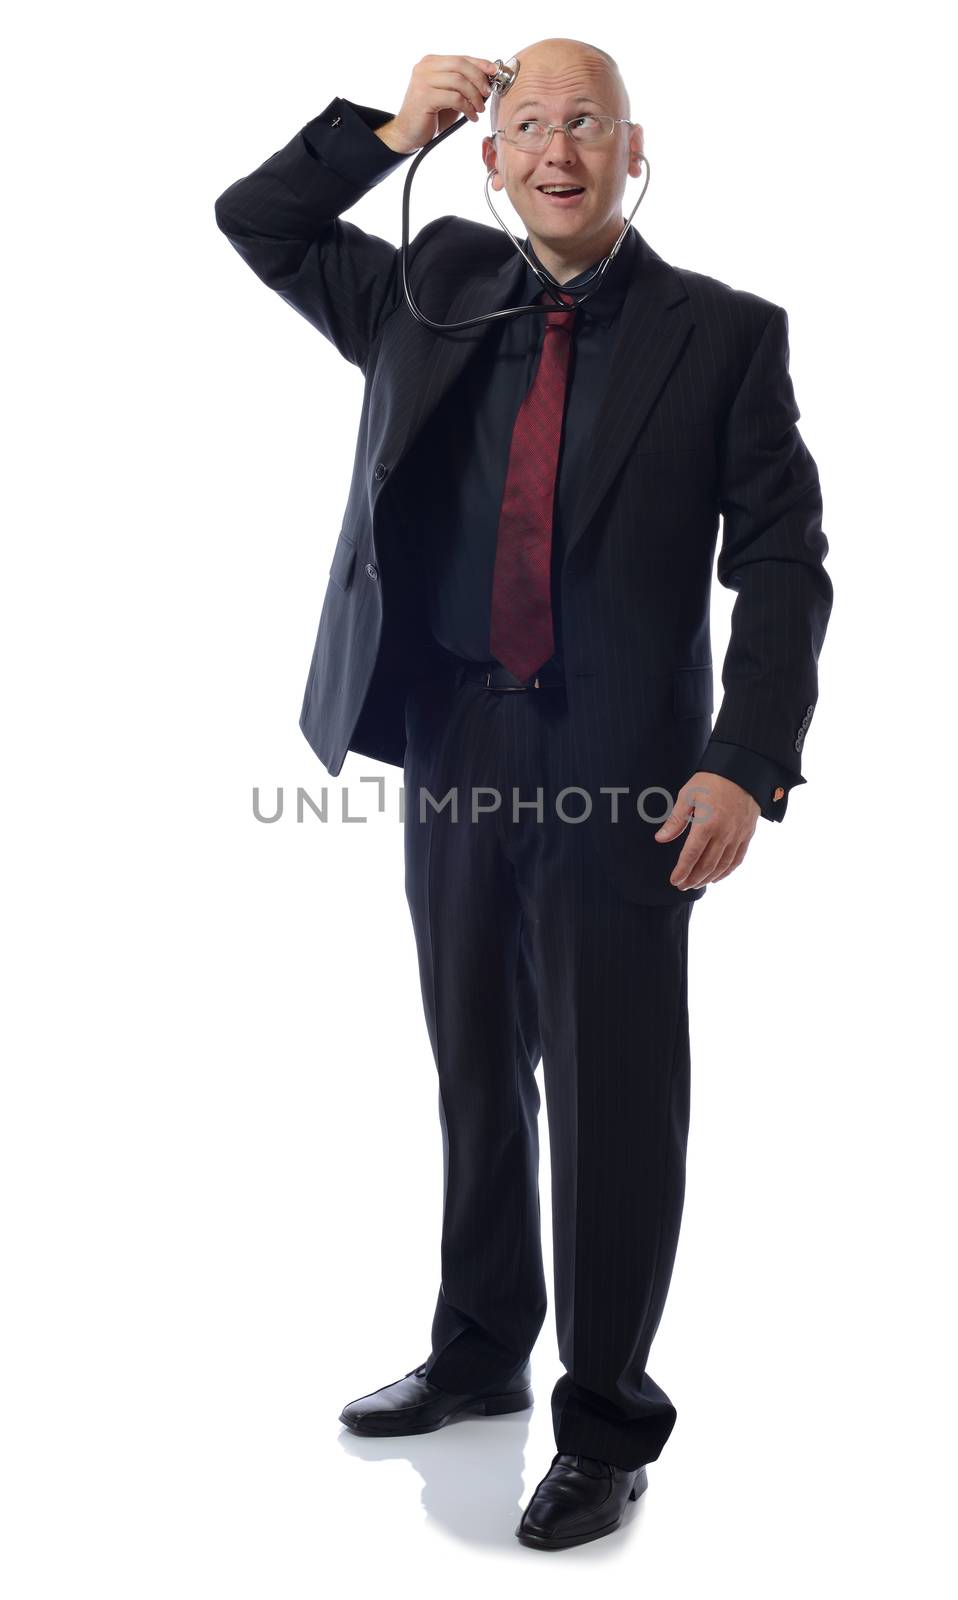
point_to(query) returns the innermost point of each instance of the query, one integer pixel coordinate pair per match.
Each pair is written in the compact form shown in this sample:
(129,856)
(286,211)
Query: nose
(565,150)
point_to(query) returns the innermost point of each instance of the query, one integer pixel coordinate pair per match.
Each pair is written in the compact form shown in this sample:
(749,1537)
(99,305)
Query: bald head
(557,66)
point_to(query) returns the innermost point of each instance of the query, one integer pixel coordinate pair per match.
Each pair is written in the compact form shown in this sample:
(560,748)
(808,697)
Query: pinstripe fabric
(550,962)
(698,423)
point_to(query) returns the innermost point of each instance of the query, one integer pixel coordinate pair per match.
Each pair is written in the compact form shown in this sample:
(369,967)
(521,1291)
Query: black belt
(549,676)
(493,675)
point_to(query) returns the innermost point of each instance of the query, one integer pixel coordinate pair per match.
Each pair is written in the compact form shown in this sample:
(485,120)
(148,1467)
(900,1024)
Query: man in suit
(518,614)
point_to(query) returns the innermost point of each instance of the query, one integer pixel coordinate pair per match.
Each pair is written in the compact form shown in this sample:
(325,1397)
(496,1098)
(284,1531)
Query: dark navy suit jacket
(697,423)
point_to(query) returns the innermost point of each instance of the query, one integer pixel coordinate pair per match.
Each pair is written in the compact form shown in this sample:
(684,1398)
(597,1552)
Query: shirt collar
(604,303)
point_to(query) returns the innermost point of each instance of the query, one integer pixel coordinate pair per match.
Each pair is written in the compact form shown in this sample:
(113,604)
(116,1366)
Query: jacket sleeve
(772,555)
(283,219)
(765,780)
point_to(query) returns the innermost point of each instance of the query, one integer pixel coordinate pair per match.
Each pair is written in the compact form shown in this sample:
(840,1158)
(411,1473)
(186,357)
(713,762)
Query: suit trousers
(527,952)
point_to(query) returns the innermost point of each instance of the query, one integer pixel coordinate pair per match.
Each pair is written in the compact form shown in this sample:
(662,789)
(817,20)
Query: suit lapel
(655,322)
(444,355)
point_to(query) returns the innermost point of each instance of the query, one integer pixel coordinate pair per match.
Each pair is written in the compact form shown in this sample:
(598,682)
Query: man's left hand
(721,818)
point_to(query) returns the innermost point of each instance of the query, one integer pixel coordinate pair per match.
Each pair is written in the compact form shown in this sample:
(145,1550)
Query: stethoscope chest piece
(505,75)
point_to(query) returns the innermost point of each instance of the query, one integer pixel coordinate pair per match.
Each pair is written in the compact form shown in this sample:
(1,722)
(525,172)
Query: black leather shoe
(580,1498)
(414,1405)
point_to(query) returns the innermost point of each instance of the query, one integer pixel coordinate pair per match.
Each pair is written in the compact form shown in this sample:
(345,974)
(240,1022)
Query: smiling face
(560,79)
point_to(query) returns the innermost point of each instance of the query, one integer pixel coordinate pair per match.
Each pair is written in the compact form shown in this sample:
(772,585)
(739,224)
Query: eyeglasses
(586,129)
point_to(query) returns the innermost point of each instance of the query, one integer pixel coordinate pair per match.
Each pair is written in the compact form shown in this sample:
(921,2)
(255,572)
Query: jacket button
(371,571)
(809,710)
(798,744)
(381,470)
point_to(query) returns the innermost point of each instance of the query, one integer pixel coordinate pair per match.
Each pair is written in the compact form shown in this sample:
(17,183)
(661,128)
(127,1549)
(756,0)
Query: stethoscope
(502,80)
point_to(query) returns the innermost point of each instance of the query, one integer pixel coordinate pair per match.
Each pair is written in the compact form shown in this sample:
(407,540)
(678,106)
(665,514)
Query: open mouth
(562,194)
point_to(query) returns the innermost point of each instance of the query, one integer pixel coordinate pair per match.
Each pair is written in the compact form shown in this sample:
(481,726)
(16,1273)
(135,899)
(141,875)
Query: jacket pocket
(692,692)
(344,559)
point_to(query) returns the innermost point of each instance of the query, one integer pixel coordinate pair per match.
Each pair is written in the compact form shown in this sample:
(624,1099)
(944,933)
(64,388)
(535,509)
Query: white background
(221,1161)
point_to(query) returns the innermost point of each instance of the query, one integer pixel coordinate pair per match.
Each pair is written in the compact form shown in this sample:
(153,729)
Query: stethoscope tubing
(546,279)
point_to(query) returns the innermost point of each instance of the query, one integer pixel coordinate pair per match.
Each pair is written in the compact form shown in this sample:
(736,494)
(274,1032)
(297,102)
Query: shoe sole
(540,1541)
(497,1405)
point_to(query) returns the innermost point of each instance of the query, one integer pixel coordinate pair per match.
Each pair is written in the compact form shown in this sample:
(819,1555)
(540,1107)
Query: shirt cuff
(766,781)
(343,137)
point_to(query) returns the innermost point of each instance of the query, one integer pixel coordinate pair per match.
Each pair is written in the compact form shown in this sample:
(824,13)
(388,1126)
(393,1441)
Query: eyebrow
(583,100)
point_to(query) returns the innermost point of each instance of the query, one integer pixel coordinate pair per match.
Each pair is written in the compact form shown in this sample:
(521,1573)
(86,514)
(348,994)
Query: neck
(570,257)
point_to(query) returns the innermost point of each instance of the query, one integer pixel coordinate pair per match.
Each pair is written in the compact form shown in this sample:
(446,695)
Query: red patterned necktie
(521,625)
